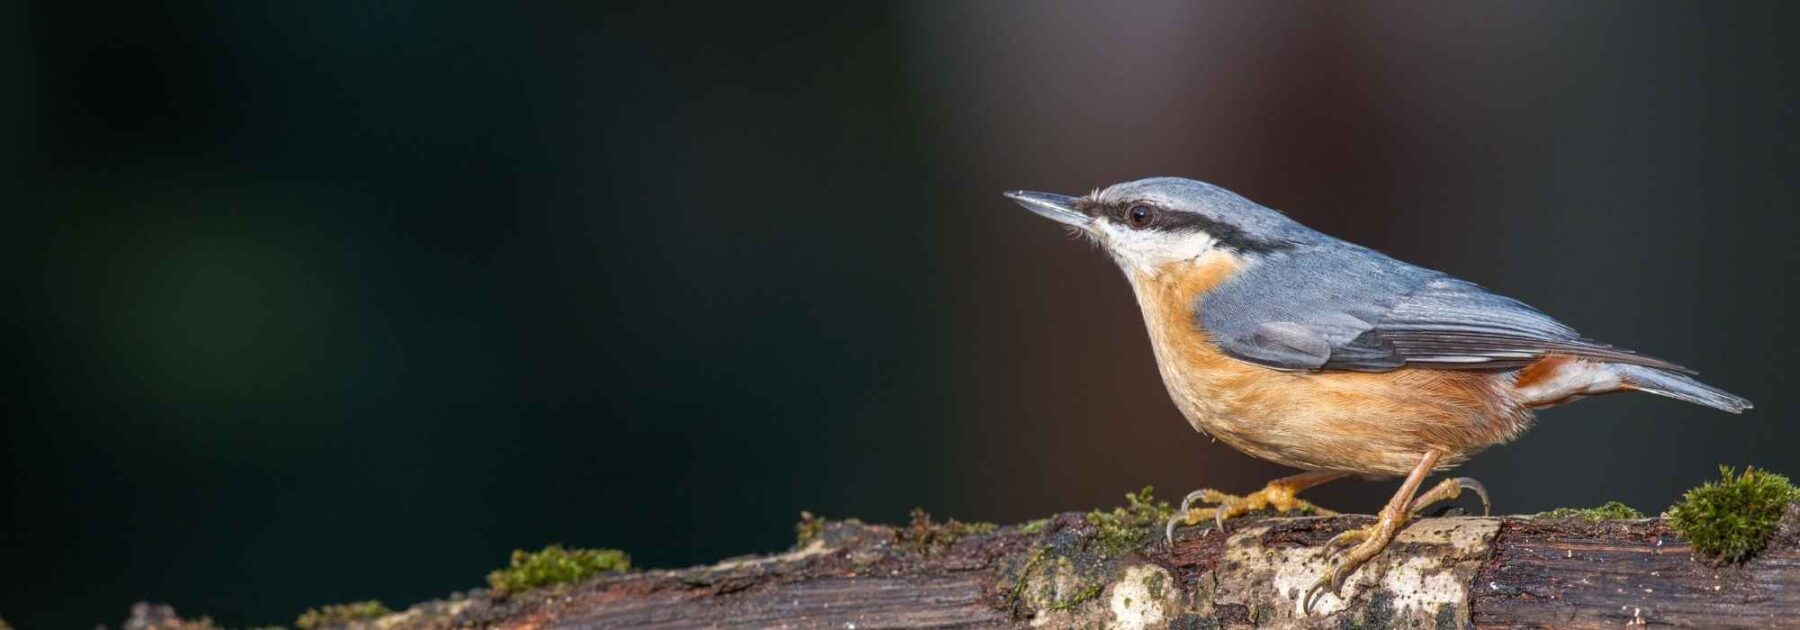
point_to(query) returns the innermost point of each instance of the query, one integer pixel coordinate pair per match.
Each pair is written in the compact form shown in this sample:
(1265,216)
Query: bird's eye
(1140,216)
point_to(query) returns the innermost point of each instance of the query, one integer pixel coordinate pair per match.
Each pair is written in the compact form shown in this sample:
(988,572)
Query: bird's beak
(1058,208)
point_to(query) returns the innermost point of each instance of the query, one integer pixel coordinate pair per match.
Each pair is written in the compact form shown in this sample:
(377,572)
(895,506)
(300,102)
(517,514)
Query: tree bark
(1065,572)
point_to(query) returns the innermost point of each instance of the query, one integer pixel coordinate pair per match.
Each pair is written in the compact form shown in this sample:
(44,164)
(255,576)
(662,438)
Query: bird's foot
(1276,495)
(1368,543)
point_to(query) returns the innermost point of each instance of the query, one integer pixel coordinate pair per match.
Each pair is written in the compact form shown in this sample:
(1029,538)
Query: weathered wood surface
(1441,573)
(1573,574)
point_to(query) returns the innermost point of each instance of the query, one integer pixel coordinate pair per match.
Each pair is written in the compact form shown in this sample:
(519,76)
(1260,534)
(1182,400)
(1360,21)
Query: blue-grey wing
(1343,307)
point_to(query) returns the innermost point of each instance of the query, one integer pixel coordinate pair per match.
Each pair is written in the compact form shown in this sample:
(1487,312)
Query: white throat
(1145,251)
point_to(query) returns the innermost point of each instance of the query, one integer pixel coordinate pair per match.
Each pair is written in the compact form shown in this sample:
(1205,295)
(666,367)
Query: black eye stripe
(1229,235)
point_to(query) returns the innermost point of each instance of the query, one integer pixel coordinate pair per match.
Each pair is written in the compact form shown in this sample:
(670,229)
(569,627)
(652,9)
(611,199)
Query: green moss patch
(555,565)
(808,529)
(1124,528)
(1731,519)
(340,614)
(923,535)
(1612,510)
(1018,587)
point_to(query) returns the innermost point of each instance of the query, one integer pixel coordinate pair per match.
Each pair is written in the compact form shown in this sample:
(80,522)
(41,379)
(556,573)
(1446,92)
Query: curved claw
(1188,501)
(1181,514)
(1487,507)
(1450,489)
(1184,514)
(1367,541)
(1327,583)
(1334,577)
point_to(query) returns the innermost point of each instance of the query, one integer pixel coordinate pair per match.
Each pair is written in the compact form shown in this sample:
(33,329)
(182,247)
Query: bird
(1315,353)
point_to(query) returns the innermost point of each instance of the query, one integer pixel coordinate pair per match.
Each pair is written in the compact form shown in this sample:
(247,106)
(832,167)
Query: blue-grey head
(1150,223)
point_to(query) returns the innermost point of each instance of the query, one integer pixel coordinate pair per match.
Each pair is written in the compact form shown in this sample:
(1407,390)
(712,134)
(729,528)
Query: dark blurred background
(323,302)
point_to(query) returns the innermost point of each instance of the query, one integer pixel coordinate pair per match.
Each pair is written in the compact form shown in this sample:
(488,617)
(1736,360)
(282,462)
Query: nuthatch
(1311,352)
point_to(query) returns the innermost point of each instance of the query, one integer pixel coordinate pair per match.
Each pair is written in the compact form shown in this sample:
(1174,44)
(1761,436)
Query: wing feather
(1343,307)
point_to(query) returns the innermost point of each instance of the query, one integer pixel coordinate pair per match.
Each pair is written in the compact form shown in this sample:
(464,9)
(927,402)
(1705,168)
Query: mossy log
(1069,571)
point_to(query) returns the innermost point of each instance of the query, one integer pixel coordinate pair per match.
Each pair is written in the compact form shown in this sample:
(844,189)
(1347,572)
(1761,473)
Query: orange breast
(1361,422)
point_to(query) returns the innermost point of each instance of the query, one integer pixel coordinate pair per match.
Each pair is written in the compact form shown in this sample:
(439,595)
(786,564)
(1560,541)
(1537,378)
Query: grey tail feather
(1679,387)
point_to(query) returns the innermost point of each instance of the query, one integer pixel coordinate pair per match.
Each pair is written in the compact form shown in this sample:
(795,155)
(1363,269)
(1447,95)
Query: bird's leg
(1369,541)
(1278,494)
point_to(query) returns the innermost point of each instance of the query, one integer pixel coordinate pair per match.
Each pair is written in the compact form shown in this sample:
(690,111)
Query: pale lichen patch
(1464,535)
(1139,600)
(1423,585)
(1425,570)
